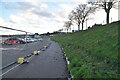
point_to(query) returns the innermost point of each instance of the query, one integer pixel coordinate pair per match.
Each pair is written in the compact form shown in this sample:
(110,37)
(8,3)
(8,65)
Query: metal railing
(3,47)
(20,53)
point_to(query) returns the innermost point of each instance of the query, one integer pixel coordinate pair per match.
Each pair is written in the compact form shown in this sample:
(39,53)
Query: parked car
(34,39)
(28,40)
(39,38)
(13,41)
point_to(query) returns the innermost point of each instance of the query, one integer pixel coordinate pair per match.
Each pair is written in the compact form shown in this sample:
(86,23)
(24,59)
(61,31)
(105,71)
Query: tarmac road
(48,64)
(11,53)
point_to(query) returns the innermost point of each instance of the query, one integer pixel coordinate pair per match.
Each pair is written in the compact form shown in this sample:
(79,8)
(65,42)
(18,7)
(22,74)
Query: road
(11,53)
(48,64)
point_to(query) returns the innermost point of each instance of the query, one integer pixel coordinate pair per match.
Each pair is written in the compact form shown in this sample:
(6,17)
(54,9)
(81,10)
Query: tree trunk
(78,27)
(107,18)
(82,25)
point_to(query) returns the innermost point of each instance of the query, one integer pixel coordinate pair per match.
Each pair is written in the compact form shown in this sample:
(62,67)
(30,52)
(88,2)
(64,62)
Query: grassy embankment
(92,53)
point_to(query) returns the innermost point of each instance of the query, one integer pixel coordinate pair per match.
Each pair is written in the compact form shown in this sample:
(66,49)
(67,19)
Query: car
(28,40)
(39,38)
(13,41)
(34,39)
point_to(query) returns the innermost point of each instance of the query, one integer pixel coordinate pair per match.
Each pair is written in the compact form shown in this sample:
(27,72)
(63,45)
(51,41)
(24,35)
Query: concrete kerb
(68,62)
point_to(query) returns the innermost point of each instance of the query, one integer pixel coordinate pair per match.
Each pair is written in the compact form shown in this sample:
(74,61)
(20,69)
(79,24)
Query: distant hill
(92,53)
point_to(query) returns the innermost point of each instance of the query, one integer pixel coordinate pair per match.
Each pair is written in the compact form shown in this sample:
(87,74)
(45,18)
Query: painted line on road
(8,65)
(14,67)
(28,58)
(10,69)
(10,49)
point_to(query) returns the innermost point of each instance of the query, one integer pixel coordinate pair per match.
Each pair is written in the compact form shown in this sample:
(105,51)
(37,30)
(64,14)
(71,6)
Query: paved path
(49,64)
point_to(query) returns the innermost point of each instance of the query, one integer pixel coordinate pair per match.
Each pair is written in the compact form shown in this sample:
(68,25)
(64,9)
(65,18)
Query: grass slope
(92,53)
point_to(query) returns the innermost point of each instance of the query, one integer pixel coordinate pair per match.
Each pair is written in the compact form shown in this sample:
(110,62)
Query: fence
(10,49)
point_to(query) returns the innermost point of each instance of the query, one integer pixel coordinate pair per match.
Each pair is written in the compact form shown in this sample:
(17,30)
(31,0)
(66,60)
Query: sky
(42,16)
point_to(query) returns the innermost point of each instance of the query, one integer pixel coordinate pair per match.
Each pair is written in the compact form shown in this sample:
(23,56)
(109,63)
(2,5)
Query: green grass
(92,53)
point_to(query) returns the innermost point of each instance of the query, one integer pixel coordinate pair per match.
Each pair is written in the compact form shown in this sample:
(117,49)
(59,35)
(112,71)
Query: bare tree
(107,5)
(86,11)
(75,16)
(81,13)
(68,25)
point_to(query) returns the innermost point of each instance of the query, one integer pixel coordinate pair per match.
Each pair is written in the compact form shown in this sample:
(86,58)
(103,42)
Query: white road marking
(11,49)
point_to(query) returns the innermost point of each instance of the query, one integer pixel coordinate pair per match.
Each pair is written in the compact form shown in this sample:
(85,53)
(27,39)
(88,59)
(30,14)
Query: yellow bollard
(41,39)
(35,52)
(21,60)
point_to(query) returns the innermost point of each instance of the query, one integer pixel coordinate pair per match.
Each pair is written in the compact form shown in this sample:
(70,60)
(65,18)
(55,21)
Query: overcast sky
(41,16)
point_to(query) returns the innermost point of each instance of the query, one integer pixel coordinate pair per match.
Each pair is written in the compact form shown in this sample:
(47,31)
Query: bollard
(35,52)
(21,60)
(41,39)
